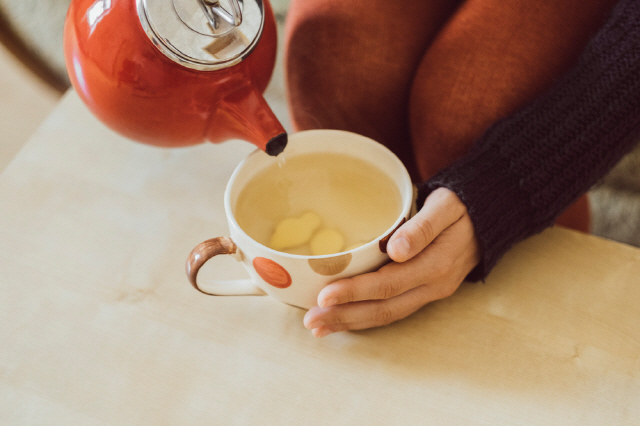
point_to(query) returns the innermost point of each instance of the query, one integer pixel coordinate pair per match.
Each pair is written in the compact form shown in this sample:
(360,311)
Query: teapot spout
(244,114)
(277,144)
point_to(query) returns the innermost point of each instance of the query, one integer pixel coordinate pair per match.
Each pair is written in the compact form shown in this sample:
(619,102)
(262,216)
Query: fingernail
(314,324)
(401,247)
(321,333)
(328,302)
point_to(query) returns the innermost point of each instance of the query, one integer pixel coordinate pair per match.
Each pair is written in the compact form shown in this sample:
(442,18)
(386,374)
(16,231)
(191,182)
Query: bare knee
(322,89)
(441,131)
(350,62)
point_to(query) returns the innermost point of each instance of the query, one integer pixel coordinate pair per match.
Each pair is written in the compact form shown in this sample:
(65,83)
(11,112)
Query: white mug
(295,279)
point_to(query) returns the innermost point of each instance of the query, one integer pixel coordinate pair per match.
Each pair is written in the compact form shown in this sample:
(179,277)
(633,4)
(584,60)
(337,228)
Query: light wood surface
(99,325)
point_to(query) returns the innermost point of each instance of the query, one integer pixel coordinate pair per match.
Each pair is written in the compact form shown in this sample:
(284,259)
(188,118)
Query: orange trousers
(428,77)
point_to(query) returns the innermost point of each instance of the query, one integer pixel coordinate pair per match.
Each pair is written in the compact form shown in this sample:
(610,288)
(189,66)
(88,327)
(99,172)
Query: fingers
(445,259)
(389,281)
(441,209)
(398,289)
(442,250)
(369,314)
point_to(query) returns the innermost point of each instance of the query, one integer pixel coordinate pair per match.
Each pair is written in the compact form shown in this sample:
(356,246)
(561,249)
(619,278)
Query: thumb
(441,209)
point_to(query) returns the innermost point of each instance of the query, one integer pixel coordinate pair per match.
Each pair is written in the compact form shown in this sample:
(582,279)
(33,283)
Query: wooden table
(98,325)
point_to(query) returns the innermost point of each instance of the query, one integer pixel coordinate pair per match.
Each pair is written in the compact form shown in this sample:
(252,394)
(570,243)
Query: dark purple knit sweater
(525,170)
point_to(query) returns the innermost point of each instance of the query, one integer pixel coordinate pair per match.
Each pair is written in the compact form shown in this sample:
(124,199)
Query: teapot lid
(203,34)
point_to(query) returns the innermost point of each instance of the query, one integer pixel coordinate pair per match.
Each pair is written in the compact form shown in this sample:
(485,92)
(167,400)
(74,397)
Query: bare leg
(350,65)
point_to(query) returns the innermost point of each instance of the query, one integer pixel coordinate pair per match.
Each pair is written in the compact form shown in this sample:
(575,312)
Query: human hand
(432,253)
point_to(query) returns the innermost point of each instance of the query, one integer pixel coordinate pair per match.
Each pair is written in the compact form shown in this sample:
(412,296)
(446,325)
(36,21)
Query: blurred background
(32,77)
(24,102)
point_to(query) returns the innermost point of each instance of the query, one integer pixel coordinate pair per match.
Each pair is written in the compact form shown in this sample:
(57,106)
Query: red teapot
(176,72)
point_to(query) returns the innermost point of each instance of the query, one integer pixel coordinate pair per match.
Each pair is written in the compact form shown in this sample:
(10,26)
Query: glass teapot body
(138,91)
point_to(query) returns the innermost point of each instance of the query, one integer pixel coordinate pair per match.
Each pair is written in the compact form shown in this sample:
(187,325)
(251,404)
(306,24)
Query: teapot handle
(206,251)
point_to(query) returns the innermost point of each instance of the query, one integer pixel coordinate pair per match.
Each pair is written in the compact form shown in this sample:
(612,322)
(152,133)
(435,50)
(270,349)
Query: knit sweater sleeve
(526,169)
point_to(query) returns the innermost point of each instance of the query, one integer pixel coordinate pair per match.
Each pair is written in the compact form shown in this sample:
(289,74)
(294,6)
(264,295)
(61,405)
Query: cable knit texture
(525,170)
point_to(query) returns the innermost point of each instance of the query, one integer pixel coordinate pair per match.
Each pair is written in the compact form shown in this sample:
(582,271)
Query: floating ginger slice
(294,231)
(327,241)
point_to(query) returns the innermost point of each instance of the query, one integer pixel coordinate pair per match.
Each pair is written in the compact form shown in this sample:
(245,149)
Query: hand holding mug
(433,252)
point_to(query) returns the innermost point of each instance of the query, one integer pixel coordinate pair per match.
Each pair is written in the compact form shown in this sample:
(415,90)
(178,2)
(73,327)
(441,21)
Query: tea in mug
(318,203)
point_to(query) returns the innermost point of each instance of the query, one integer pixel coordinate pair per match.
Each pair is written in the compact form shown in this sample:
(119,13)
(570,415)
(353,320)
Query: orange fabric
(577,216)
(426,78)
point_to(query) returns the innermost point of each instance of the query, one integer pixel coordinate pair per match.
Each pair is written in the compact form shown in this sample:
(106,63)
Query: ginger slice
(327,241)
(294,231)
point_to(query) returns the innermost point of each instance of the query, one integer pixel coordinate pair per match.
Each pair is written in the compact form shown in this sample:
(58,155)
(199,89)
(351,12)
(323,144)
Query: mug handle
(207,250)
